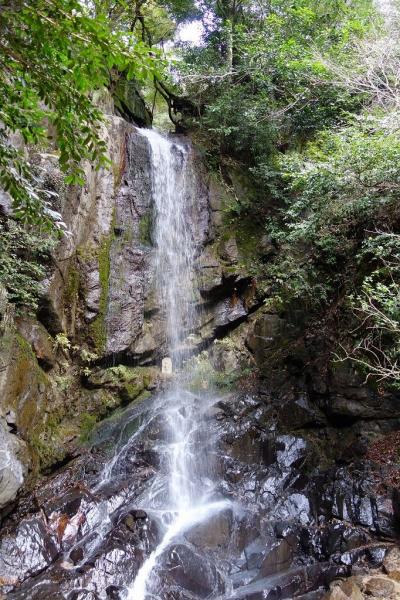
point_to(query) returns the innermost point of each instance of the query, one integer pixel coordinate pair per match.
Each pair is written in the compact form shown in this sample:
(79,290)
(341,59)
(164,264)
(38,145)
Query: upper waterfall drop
(173,197)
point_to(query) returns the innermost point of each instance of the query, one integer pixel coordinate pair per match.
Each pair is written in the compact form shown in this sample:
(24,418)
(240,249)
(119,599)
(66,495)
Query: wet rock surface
(292,528)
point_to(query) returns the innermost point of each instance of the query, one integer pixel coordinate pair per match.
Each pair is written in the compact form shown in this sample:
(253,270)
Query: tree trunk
(229,45)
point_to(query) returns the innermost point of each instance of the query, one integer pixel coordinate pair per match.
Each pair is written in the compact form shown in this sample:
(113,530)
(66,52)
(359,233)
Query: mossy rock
(145,228)
(72,285)
(98,327)
(48,441)
(90,255)
(24,384)
(240,234)
(128,382)
(129,103)
(87,424)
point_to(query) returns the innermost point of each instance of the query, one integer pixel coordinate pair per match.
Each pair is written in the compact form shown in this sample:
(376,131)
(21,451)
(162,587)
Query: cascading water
(184,495)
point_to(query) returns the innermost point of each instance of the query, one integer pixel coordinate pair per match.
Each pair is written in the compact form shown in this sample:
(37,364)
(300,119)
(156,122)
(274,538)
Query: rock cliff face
(299,438)
(98,305)
(93,300)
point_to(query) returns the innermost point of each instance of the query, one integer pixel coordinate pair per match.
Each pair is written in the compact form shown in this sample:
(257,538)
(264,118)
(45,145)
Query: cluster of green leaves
(53,55)
(344,185)
(153,21)
(25,256)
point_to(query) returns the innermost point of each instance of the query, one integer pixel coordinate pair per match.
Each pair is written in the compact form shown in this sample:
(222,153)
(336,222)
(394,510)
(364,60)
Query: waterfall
(174,239)
(183,495)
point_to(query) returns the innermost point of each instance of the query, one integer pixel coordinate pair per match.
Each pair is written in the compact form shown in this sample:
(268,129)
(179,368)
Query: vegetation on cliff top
(53,56)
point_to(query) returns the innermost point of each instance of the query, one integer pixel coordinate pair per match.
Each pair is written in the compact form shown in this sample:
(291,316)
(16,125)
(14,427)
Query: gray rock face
(134,323)
(13,455)
(102,292)
(12,470)
(130,249)
(271,335)
(40,341)
(73,292)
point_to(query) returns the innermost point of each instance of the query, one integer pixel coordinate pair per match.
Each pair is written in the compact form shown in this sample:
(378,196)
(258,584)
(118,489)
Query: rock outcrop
(98,303)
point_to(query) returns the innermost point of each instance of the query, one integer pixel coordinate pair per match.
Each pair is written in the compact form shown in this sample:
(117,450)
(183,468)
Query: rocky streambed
(292,528)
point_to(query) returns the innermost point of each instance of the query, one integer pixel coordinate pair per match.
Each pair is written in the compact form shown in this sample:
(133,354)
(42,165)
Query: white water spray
(186,496)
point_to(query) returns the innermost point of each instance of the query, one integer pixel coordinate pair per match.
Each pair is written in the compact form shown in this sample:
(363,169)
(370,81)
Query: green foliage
(376,306)
(25,255)
(87,356)
(277,90)
(343,185)
(62,342)
(54,54)
(149,20)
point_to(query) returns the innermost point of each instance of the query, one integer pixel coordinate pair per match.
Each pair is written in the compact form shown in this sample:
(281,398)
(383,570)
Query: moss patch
(127,382)
(48,440)
(236,194)
(248,236)
(72,286)
(28,390)
(119,166)
(145,226)
(98,327)
(26,383)
(87,424)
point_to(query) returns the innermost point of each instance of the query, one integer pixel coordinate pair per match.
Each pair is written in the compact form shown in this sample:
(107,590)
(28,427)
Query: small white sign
(166,366)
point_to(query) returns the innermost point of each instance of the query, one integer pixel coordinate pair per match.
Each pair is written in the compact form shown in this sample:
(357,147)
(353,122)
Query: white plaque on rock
(166,366)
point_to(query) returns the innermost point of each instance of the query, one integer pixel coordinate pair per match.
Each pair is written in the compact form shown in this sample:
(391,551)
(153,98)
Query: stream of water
(184,493)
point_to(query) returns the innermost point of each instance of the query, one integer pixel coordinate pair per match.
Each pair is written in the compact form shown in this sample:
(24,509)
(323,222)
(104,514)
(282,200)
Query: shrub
(25,259)
(338,191)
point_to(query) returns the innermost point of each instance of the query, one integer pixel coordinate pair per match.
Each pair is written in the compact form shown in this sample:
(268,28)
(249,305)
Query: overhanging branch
(177,105)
